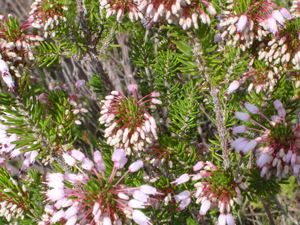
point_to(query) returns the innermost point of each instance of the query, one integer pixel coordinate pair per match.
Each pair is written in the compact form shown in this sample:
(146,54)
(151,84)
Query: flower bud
(79,84)
(251,108)
(234,85)
(182,195)
(149,190)
(205,206)
(107,221)
(57,216)
(99,161)
(239,129)
(277,104)
(278,17)
(242,116)
(272,26)
(249,146)
(139,217)
(132,88)
(230,219)
(222,219)
(184,203)
(182,179)
(134,167)
(55,194)
(198,166)
(119,158)
(55,180)
(72,220)
(285,13)
(133,203)
(87,164)
(241,25)
(69,159)
(70,212)
(78,155)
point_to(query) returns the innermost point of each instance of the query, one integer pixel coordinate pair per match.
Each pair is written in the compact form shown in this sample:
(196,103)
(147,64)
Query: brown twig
(219,112)
(268,212)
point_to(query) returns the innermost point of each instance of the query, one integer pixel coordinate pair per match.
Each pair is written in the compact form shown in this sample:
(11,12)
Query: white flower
(78,155)
(29,159)
(182,196)
(57,216)
(263,159)
(222,219)
(239,144)
(242,116)
(147,189)
(133,203)
(3,67)
(241,25)
(205,206)
(211,10)
(251,108)
(69,159)
(96,208)
(198,166)
(136,166)
(277,104)
(6,76)
(182,179)
(107,221)
(70,212)
(119,158)
(123,196)
(140,196)
(249,146)
(132,88)
(72,220)
(55,180)
(272,25)
(184,203)
(239,129)
(230,219)
(87,164)
(285,13)
(156,101)
(99,161)
(278,17)
(55,194)
(234,85)
(140,218)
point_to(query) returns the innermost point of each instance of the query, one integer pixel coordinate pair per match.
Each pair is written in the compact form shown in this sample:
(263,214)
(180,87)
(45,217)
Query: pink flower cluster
(11,211)
(6,142)
(6,76)
(8,148)
(295,9)
(90,197)
(261,79)
(283,50)
(186,13)
(128,123)
(276,144)
(46,14)
(209,193)
(16,43)
(260,19)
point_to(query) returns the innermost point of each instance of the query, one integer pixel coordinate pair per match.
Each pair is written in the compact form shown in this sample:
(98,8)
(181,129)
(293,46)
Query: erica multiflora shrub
(150,112)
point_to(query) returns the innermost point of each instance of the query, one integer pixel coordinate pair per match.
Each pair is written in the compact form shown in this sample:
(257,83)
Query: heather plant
(177,112)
